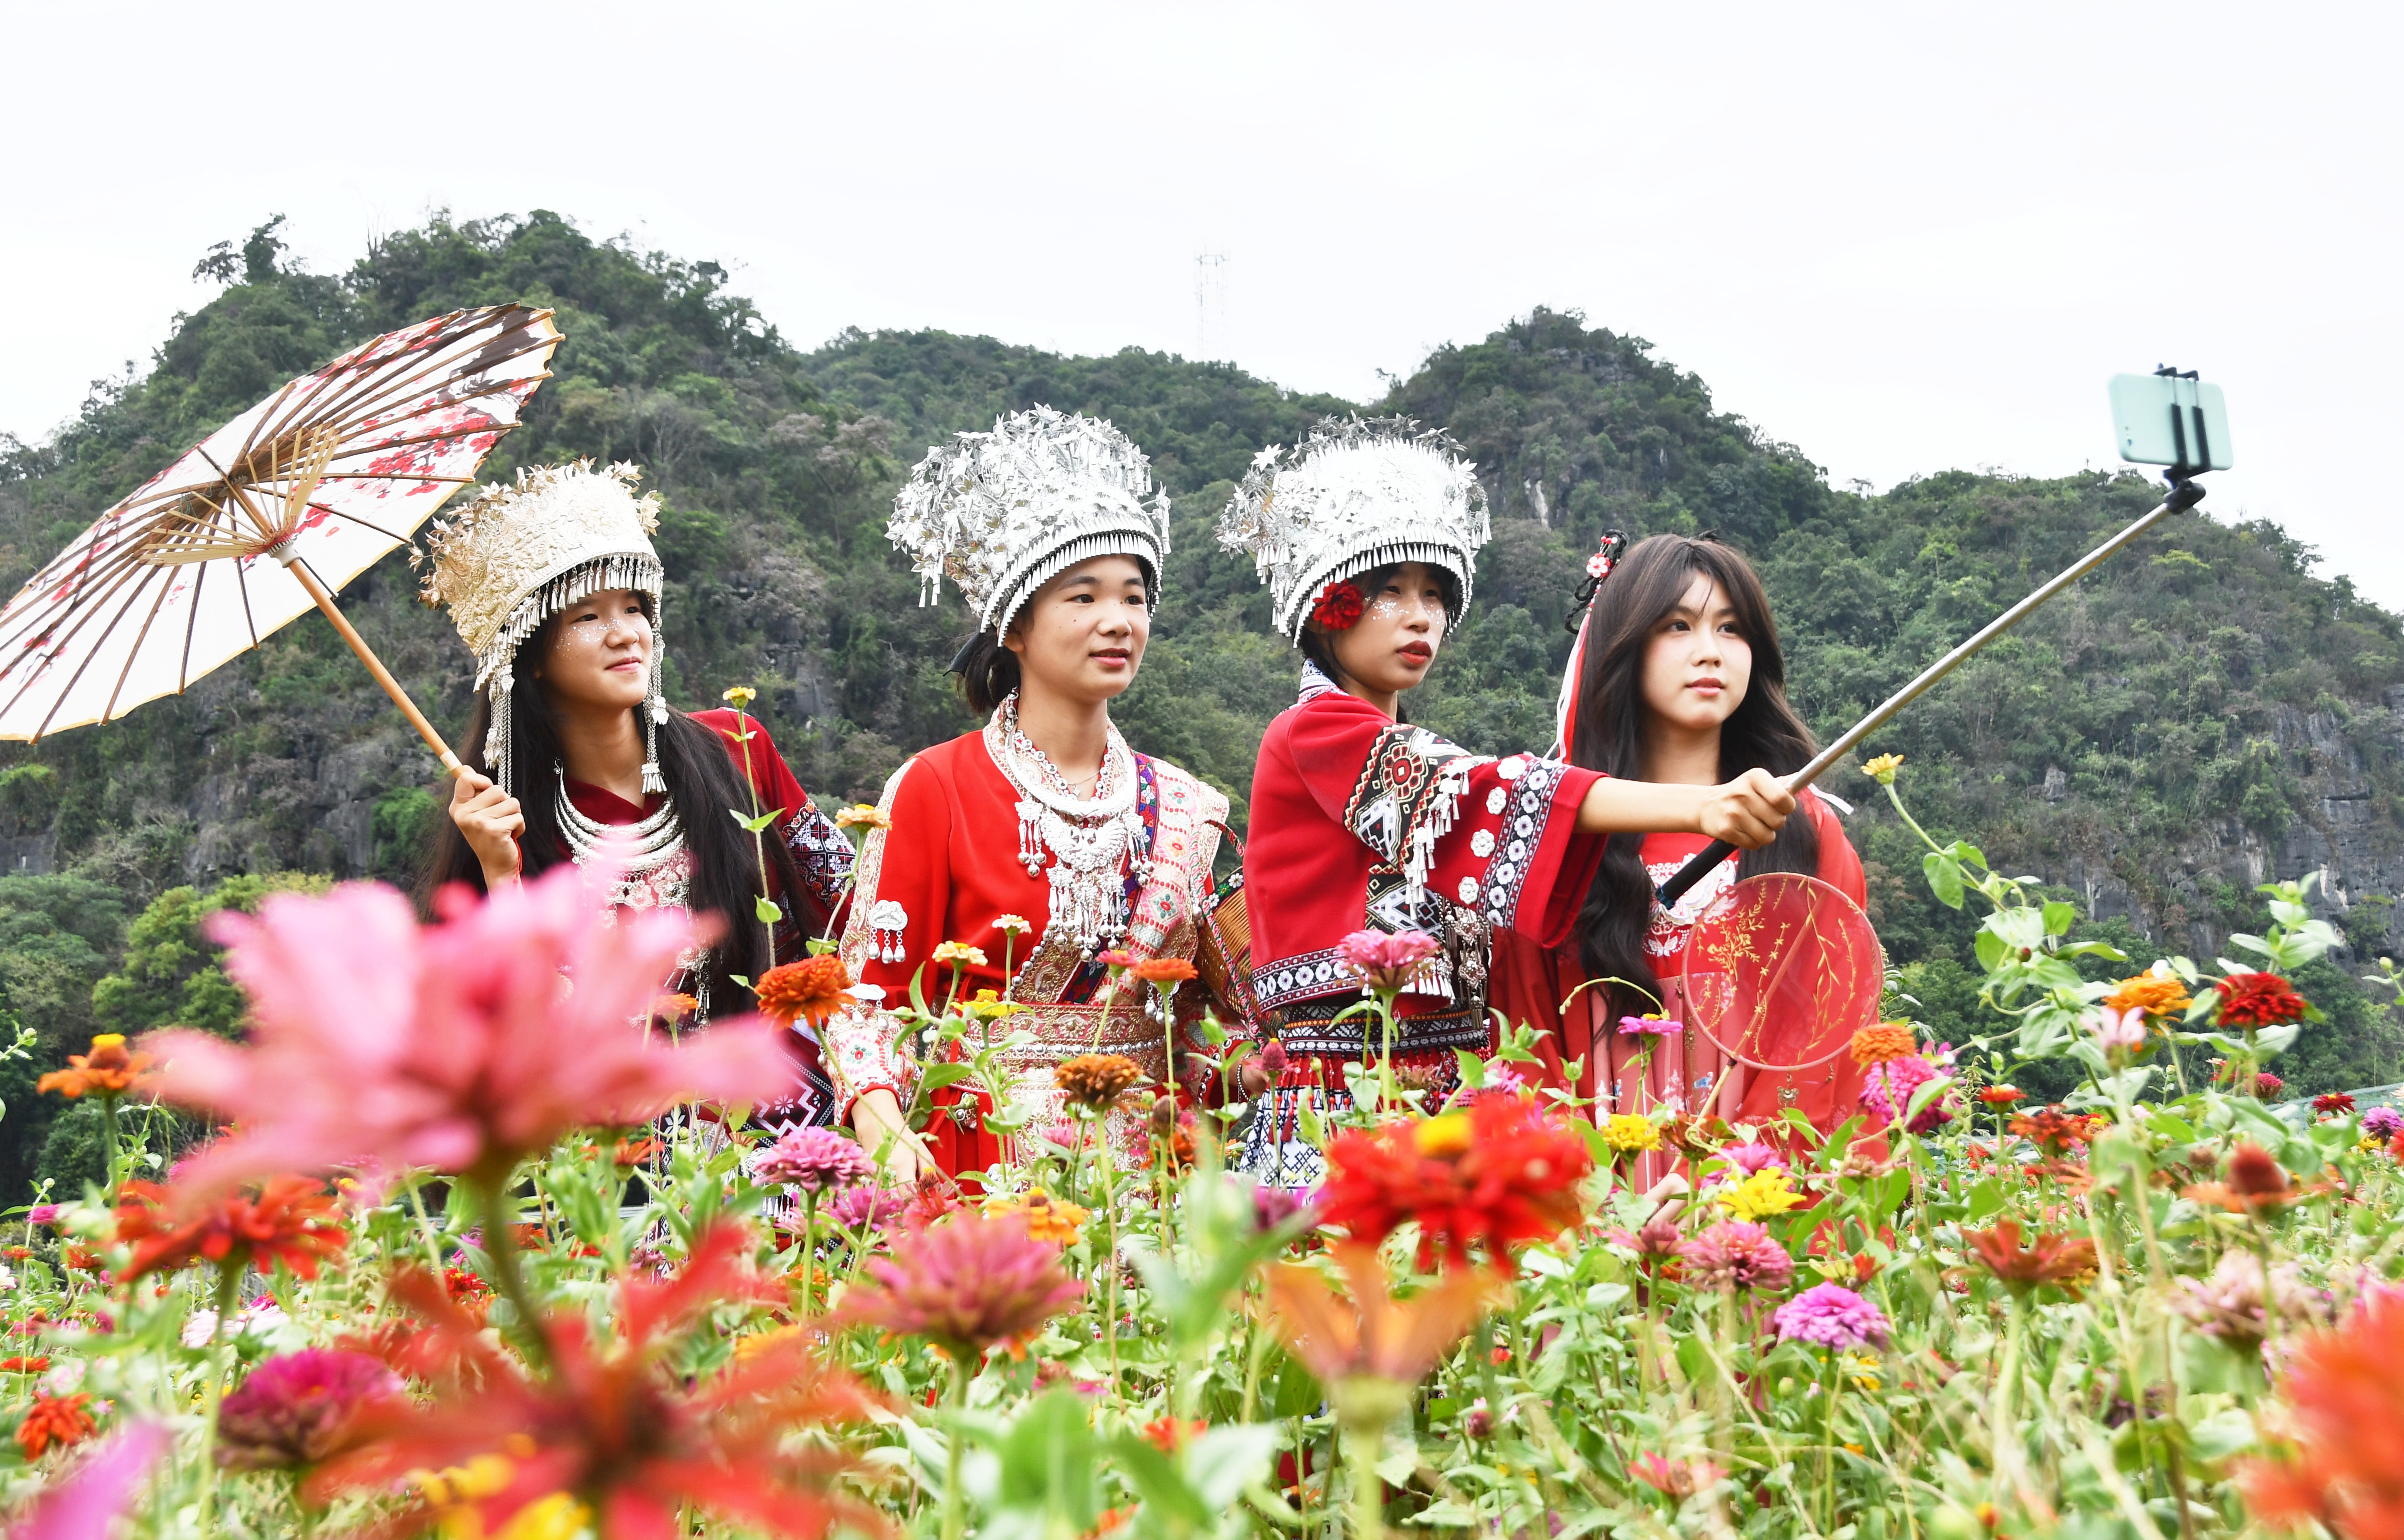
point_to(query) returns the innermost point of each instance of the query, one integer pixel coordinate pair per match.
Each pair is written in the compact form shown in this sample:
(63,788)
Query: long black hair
(1762,733)
(1320,645)
(703,782)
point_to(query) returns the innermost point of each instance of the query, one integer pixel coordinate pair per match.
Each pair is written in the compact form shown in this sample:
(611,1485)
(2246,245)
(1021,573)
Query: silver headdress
(519,554)
(1356,494)
(1002,513)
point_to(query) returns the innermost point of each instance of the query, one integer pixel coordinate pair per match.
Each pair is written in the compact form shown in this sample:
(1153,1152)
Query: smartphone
(2170,420)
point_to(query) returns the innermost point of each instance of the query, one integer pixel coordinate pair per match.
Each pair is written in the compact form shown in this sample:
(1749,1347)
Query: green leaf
(753,826)
(765,911)
(1944,878)
(2058,917)
(1990,949)
(937,1076)
(1986,1197)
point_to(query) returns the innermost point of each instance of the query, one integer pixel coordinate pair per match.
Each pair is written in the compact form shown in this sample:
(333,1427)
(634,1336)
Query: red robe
(947,868)
(1530,982)
(820,851)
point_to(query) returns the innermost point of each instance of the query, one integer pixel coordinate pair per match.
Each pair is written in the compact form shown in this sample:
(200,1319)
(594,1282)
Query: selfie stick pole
(2185,493)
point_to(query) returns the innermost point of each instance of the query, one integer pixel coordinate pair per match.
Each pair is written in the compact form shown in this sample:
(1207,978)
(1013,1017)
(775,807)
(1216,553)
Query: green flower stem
(108,1138)
(493,1207)
(759,843)
(1361,1448)
(213,1389)
(954,1500)
(809,1245)
(425,1226)
(2004,1411)
(1828,1446)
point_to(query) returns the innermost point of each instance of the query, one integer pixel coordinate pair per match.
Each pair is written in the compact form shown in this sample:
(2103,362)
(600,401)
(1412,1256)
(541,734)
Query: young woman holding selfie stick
(555,588)
(1040,842)
(1368,537)
(1676,680)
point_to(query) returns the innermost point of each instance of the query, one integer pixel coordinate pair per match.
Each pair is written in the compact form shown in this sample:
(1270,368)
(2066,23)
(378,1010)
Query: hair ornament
(1356,494)
(1598,567)
(520,554)
(1338,606)
(1002,513)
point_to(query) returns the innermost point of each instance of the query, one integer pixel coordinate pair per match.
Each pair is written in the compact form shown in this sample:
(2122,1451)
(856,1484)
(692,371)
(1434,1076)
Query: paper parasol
(265,517)
(1781,970)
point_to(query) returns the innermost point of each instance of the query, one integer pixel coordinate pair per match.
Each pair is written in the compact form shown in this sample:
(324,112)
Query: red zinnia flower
(2259,1000)
(2002,1096)
(1338,607)
(37,1363)
(2342,1458)
(1498,1172)
(620,1429)
(54,1419)
(2067,1261)
(2332,1100)
(2054,1130)
(291,1220)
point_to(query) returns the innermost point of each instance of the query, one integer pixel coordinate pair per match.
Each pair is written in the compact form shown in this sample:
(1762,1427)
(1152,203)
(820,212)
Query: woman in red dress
(1360,820)
(1039,842)
(554,585)
(1679,680)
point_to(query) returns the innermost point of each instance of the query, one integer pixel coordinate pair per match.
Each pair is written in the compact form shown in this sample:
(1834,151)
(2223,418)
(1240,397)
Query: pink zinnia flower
(87,1504)
(297,1408)
(1833,1316)
(2118,1030)
(458,1045)
(1887,1088)
(1753,1157)
(42,1213)
(1648,1026)
(1388,961)
(813,1160)
(1657,1238)
(1680,1478)
(2383,1122)
(866,1208)
(1734,1255)
(965,1284)
(1274,1205)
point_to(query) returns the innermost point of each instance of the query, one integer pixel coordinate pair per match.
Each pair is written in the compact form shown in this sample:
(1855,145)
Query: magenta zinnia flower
(1753,1157)
(2383,1122)
(460,1046)
(814,1159)
(1734,1255)
(1388,961)
(1831,1315)
(1648,1026)
(1887,1089)
(297,1408)
(965,1284)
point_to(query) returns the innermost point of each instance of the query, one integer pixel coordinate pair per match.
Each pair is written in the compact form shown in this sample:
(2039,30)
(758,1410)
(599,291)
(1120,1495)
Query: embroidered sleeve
(1511,849)
(897,906)
(824,856)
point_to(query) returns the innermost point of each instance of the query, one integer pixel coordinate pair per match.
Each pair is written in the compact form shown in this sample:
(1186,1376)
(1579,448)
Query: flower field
(478,1255)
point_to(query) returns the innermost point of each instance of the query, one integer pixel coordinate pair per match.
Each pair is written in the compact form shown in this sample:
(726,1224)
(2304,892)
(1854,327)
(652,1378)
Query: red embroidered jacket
(1360,822)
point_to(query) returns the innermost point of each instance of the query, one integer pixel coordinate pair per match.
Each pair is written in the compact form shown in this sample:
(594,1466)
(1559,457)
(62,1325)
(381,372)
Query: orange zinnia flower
(2342,1460)
(1369,1351)
(2054,1130)
(1162,970)
(2149,993)
(2068,1261)
(59,1420)
(1096,1080)
(809,991)
(110,1069)
(1886,1040)
(291,1220)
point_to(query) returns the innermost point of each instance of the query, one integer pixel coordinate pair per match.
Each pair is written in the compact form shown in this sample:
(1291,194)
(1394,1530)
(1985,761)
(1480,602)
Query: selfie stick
(2185,493)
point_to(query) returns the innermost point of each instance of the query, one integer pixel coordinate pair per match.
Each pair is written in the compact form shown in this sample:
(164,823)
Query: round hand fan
(1781,970)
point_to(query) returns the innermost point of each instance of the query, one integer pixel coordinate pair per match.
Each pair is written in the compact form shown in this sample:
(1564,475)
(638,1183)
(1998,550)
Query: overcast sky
(1903,238)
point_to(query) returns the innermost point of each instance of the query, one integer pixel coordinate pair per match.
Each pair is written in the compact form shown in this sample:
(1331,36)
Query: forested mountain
(2201,715)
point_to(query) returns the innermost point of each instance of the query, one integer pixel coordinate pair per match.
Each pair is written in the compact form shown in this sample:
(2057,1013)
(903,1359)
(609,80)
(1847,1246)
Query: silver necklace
(643,847)
(1089,839)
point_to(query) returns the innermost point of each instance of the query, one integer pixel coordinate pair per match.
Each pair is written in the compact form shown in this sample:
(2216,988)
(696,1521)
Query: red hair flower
(1338,606)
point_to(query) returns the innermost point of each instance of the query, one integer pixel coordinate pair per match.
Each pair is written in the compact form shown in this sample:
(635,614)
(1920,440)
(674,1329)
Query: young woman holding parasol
(1677,678)
(573,749)
(1368,537)
(1030,847)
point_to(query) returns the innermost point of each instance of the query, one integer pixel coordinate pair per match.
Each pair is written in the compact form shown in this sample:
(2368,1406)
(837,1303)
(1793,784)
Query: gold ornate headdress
(1002,513)
(1357,493)
(519,554)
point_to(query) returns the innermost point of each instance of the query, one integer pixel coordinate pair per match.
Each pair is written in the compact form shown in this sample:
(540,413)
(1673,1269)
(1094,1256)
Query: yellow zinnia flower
(1758,1196)
(742,696)
(948,953)
(1627,1133)
(1881,769)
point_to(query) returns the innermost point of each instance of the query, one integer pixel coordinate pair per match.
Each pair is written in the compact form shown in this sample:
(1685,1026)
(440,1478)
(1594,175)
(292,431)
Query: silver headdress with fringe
(1357,493)
(519,554)
(1002,513)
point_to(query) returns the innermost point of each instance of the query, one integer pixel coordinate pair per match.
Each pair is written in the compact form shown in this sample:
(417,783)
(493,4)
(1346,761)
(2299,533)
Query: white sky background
(1903,238)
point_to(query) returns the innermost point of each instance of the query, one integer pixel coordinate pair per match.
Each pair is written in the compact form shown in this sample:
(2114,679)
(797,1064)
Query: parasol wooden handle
(343,627)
